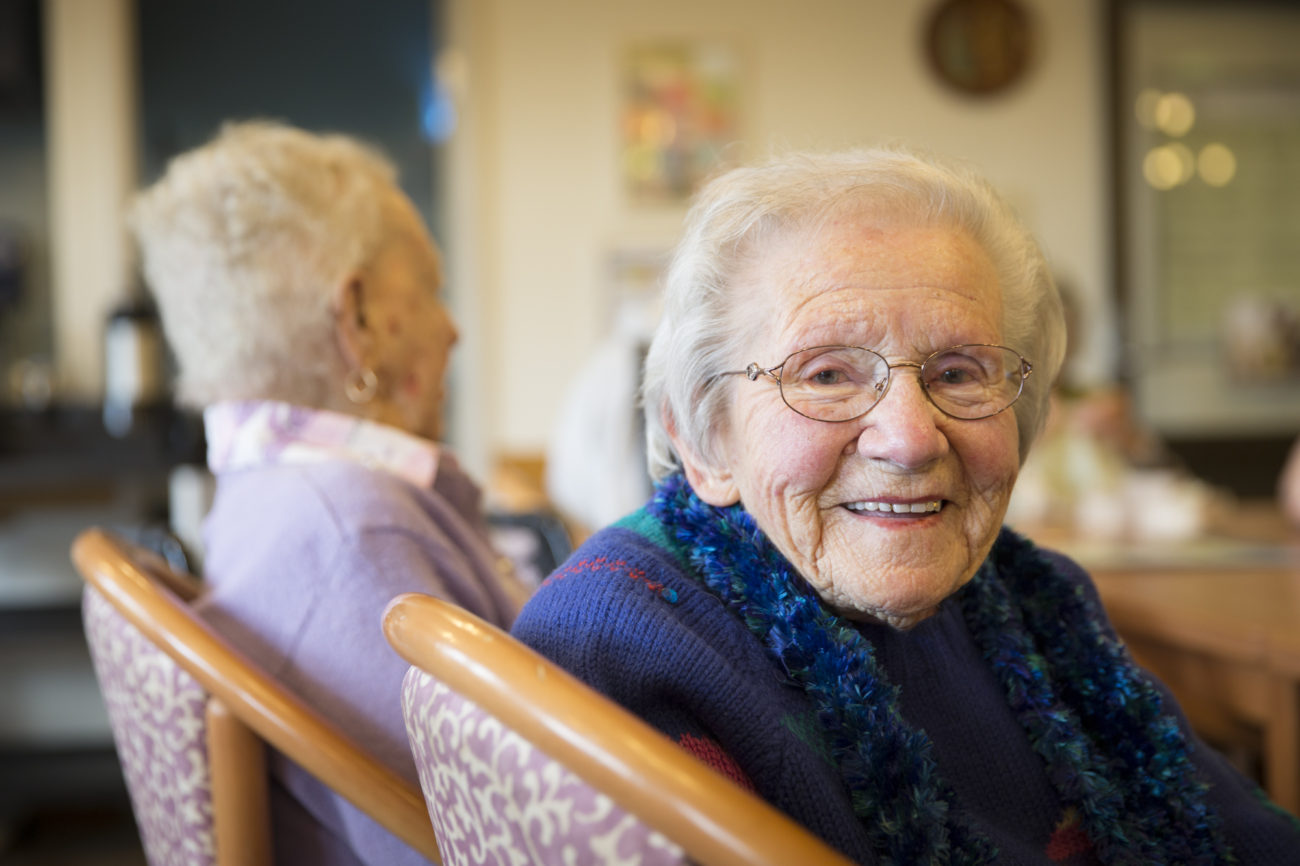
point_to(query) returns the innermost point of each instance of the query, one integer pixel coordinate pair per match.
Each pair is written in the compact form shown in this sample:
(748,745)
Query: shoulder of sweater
(616,561)
(623,586)
(355,494)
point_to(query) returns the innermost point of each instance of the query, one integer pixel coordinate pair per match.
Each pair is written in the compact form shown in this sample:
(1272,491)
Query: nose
(904,428)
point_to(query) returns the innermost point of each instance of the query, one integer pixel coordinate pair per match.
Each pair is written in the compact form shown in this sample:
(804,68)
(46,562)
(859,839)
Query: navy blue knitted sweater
(626,615)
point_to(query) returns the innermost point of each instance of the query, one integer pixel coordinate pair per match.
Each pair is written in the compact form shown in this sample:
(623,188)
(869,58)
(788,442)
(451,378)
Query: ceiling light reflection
(1174,114)
(1168,166)
(1216,164)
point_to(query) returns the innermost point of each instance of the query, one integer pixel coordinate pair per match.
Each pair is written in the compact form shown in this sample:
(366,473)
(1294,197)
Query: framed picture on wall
(678,116)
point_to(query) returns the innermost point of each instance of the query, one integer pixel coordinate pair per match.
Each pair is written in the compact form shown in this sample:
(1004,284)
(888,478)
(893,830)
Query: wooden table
(1224,635)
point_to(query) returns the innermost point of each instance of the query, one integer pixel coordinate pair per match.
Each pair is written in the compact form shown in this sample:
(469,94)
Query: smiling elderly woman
(819,600)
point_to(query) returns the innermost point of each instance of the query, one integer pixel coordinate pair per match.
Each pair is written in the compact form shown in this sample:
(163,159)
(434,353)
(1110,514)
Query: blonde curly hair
(243,242)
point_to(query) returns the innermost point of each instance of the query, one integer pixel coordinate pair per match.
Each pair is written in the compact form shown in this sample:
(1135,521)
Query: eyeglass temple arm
(752,372)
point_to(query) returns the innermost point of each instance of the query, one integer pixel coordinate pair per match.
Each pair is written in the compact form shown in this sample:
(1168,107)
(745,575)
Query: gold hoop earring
(360,385)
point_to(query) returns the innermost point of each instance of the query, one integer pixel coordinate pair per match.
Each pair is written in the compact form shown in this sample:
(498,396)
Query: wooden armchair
(522,762)
(191,718)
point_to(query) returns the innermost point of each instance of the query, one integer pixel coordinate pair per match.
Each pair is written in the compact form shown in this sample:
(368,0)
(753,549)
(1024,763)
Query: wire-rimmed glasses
(841,383)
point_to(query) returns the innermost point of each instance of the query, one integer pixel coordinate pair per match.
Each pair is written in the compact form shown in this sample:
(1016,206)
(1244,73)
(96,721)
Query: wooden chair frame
(246,708)
(714,820)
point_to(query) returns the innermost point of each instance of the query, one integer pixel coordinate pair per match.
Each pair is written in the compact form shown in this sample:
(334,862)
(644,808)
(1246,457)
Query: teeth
(896,507)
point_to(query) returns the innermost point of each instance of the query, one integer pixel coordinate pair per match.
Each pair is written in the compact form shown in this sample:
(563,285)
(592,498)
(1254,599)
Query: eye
(827,377)
(954,376)
(955,370)
(822,369)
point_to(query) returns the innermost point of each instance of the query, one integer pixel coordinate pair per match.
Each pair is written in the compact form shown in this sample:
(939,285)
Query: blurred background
(1153,146)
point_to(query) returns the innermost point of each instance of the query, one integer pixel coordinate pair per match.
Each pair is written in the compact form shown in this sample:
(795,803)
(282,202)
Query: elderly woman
(855,356)
(299,291)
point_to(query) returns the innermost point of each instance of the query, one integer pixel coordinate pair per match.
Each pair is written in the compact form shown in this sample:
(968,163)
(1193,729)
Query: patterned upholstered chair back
(522,763)
(496,799)
(157,713)
(192,718)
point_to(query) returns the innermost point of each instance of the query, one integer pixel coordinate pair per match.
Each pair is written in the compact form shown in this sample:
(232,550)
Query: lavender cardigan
(301,560)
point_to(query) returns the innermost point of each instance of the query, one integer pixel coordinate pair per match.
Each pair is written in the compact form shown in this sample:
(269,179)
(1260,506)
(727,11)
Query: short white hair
(698,339)
(243,243)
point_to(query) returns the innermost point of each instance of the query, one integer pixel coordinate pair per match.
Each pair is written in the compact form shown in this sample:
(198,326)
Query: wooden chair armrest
(716,821)
(275,715)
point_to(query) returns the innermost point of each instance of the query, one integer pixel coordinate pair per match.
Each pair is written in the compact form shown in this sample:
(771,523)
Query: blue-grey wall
(25,314)
(329,65)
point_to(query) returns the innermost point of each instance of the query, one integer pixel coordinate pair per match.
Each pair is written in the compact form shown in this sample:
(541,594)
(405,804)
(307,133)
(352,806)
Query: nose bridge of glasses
(888,384)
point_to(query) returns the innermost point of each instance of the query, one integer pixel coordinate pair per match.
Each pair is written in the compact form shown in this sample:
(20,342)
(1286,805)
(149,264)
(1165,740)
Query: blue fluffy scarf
(1108,748)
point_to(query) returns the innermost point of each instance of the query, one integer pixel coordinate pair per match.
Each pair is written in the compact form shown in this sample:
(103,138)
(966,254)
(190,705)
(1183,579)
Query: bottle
(133,364)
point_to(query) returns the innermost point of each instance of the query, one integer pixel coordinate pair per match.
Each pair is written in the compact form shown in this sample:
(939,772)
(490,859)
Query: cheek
(786,463)
(992,465)
(394,327)
(412,384)
(808,458)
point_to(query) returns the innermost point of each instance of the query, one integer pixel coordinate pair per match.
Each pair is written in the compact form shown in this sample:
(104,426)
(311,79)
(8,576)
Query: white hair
(697,338)
(243,243)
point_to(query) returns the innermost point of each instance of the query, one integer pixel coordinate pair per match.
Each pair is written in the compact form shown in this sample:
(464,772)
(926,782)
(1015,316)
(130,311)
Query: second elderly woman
(300,292)
(820,600)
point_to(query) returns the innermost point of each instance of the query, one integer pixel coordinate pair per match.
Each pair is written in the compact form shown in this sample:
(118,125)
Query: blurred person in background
(300,293)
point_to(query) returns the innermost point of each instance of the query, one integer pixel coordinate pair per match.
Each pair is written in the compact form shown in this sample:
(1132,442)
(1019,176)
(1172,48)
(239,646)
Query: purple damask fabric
(156,711)
(495,800)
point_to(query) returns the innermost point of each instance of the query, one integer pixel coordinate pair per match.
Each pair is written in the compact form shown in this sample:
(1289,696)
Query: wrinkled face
(414,331)
(852,505)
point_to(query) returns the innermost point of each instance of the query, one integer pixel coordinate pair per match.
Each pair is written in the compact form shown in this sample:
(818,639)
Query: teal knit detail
(805,728)
(646,525)
(1262,796)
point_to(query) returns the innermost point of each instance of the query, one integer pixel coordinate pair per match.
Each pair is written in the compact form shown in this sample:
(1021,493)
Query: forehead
(863,280)
(406,242)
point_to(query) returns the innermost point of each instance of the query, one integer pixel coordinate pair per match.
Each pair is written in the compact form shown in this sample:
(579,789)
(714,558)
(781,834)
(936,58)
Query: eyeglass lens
(839,383)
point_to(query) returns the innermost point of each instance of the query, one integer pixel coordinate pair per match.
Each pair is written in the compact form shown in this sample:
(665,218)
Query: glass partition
(1207,108)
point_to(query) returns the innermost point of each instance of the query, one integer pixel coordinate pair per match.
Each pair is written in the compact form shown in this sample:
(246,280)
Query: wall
(342,68)
(540,205)
(24,314)
(91,109)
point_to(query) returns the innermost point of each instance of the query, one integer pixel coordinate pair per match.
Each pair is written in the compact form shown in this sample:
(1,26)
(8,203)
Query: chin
(905,621)
(899,618)
(899,600)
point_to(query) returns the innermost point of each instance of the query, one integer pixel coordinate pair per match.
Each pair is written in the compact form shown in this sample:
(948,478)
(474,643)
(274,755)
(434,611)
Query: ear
(714,484)
(350,328)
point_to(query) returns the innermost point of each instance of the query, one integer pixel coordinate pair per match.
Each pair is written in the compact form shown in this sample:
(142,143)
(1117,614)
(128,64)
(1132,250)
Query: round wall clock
(979,46)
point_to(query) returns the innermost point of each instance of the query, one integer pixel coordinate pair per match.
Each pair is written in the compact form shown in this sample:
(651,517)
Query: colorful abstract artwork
(678,117)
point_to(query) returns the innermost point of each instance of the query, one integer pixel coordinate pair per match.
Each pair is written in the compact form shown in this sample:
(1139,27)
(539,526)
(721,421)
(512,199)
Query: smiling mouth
(895,508)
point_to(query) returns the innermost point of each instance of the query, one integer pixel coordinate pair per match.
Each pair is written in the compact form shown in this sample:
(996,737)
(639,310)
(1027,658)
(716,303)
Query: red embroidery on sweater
(711,753)
(1068,839)
(603,564)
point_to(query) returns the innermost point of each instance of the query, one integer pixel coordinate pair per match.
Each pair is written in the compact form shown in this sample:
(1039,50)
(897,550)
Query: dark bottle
(133,365)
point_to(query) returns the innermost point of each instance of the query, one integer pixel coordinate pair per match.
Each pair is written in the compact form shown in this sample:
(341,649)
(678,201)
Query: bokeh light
(1174,114)
(1216,164)
(1168,166)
